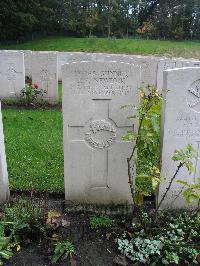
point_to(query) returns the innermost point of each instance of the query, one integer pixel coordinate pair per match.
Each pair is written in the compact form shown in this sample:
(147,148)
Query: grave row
(44,68)
(95,154)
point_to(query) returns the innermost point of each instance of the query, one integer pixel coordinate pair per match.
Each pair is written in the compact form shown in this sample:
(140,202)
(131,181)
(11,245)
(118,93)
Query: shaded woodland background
(22,20)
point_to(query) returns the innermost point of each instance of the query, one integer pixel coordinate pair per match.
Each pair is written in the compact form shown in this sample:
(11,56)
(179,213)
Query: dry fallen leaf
(56,219)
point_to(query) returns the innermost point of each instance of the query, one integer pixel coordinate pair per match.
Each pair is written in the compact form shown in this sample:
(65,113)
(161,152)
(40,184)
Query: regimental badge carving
(193,97)
(100,134)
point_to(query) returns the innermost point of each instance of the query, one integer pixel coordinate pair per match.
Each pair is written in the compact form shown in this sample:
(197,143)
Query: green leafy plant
(173,241)
(31,93)
(146,140)
(184,158)
(101,222)
(63,250)
(25,220)
(154,242)
(5,246)
(191,191)
(139,249)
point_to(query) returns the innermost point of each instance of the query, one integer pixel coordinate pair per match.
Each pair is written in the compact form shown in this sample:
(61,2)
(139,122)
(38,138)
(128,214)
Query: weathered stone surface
(181,62)
(163,65)
(149,67)
(148,64)
(181,126)
(171,63)
(103,57)
(67,57)
(28,63)
(192,64)
(44,73)
(4,187)
(95,155)
(12,74)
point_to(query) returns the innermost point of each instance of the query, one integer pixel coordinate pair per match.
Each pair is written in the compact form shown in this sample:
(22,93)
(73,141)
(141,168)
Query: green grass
(97,222)
(60,91)
(34,149)
(128,46)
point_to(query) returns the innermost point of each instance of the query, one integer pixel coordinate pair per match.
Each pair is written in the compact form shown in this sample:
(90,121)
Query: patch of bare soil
(95,247)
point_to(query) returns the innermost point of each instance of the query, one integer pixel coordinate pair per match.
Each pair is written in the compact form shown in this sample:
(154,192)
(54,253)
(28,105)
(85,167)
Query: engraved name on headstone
(95,155)
(67,57)
(148,65)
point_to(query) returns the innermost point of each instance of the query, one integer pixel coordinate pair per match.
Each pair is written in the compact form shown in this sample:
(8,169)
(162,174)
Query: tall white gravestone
(4,190)
(45,73)
(12,73)
(181,126)
(95,155)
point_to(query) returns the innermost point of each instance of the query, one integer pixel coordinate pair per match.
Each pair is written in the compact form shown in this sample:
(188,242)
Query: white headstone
(12,73)
(171,63)
(163,65)
(28,63)
(67,57)
(192,64)
(103,57)
(181,126)
(4,187)
(149,67)
(182,62)
(95,155)
(148,64)
(44,73)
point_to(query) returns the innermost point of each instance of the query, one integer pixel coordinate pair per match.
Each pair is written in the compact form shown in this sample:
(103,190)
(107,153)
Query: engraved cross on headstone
(95,154)
(11,74)
(99,134)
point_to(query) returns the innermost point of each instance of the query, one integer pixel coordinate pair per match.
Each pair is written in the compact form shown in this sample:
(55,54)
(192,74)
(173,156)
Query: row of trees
(178,19)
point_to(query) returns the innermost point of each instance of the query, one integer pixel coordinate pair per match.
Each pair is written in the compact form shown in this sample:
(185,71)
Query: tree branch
(181,164)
